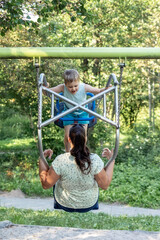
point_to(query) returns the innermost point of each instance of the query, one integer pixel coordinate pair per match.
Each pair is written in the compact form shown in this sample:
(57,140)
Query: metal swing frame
(42,81)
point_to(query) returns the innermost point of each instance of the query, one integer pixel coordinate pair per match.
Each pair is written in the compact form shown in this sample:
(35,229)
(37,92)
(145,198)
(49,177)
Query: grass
(79,220)
(14,125)
(17,144)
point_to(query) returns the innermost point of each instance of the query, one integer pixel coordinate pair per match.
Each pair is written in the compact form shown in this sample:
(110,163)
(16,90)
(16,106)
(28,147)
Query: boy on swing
(74,90)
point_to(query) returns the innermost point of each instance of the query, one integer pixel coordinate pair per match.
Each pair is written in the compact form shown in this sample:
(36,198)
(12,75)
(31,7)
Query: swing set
(56,116)
(59,117)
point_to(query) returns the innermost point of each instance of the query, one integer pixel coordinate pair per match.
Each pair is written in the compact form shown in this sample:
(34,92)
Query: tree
(19,12)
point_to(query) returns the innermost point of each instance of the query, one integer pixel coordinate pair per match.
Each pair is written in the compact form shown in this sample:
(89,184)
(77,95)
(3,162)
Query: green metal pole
(81,52)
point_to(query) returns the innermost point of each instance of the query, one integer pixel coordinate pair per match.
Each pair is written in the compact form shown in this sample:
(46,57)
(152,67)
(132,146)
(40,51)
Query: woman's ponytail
(80,151)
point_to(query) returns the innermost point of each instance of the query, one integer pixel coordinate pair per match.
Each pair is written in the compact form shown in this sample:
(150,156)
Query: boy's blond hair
(71,75)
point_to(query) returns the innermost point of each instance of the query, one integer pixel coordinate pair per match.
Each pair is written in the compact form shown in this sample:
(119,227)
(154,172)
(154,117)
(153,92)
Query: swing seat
(60,107)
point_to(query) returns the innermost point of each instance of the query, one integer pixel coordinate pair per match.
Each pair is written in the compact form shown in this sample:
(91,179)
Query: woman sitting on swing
(77,175)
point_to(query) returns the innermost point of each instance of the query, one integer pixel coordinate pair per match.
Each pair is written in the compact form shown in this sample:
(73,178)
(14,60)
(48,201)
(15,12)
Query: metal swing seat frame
(42,81)
(60,106)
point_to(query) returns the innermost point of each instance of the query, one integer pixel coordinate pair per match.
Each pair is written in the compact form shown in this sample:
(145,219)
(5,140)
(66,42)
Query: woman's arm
(104,177)
(48,176)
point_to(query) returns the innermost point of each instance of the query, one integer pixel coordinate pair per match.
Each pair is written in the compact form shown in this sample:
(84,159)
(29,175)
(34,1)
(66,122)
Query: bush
(134,185)
(14,125)
(100,136)
(140,146)
(11,159)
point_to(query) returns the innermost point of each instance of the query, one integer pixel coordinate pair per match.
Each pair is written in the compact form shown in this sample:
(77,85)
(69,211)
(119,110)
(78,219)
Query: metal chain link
(37,71)
(122,65)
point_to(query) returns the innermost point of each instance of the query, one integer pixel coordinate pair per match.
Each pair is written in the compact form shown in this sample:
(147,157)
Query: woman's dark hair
(80,151)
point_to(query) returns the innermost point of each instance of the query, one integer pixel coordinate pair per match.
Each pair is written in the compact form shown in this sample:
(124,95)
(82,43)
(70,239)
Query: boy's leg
(66,135)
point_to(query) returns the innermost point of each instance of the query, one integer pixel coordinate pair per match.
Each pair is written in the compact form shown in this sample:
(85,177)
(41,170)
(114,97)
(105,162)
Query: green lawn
(79,220)
(20,144)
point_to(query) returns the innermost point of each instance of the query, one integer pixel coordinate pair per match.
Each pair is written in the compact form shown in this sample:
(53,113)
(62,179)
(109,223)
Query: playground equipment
(41,82)
(81,52)
(89,52)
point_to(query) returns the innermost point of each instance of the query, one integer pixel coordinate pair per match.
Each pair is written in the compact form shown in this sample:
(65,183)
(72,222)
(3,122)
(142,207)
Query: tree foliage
(31,13)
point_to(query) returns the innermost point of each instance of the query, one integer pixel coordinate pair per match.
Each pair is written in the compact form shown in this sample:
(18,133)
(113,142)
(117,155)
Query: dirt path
(23,232)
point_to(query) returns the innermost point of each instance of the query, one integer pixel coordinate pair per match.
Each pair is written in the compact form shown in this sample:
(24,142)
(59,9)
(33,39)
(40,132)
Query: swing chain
(37,71)
(121,65)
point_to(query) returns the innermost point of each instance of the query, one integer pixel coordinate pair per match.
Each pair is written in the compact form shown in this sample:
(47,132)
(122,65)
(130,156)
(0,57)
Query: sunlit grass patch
(17,144)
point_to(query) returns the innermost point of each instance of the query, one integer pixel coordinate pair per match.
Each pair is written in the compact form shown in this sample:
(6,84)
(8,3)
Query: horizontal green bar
(80,52)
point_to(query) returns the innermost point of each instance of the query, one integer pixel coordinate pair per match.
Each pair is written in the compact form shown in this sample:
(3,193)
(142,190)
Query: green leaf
(73,19)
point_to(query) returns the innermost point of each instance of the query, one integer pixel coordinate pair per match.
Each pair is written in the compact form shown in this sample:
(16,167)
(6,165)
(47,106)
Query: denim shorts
(80,210)
(75,115)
